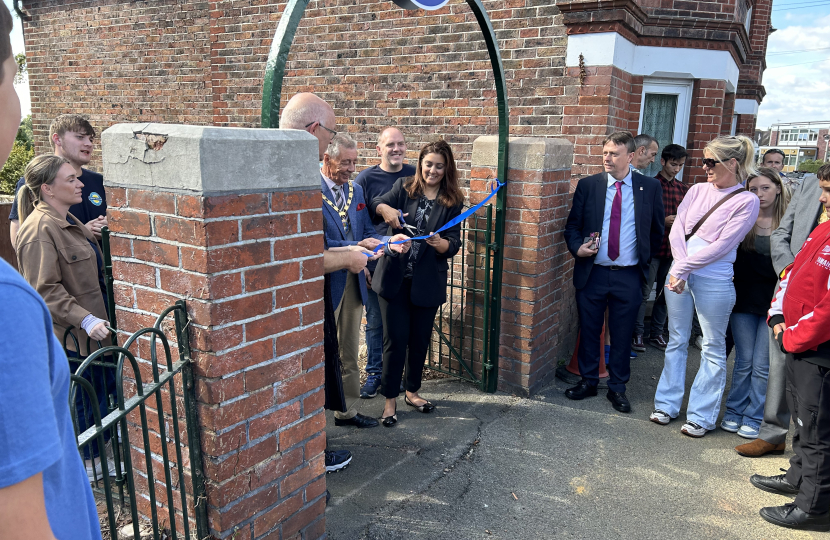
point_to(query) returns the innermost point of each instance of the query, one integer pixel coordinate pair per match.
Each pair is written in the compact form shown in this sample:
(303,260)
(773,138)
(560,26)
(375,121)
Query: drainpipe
(20,12)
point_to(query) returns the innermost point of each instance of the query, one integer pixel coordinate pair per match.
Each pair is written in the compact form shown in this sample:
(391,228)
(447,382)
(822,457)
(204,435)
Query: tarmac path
(487,466)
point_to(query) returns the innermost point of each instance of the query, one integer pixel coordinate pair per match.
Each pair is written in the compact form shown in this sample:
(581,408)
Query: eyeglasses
(333,133)
(709,162)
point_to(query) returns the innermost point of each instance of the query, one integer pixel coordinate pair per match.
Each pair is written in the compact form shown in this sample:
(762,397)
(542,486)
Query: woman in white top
(704,248)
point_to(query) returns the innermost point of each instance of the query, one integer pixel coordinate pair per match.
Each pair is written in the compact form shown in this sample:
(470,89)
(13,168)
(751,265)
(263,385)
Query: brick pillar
(538,312)
(229,219)
(705,123)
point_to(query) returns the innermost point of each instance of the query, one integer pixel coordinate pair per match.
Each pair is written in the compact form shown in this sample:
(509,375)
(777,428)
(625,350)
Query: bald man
(376,181)
(346,224)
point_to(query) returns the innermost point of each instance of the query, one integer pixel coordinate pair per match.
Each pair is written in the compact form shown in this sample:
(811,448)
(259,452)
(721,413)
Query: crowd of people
(739,256)
(745,258)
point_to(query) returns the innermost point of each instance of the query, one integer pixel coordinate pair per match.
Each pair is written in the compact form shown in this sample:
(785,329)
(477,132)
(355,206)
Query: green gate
(488,290)
(151,419)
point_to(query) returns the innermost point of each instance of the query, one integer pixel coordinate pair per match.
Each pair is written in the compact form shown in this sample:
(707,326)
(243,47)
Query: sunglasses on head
(709,162)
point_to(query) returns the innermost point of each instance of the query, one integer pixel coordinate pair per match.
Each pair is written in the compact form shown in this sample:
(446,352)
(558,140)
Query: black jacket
(587,213)
(429,279)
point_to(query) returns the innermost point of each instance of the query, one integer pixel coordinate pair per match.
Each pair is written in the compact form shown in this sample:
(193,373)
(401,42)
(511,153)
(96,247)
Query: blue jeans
(713,300)
(747,395)
(374,335)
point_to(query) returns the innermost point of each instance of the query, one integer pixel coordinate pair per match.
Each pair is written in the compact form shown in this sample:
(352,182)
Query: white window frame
(682,88)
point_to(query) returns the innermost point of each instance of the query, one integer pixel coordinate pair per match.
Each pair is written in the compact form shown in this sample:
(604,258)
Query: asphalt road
(498,466)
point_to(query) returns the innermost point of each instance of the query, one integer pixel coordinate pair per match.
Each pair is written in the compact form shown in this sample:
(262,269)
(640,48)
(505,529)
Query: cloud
(797,93)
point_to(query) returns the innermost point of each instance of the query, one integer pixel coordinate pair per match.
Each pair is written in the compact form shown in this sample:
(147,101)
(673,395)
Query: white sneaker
(660,417)
(693,430)
(699,342)
(748,432)
(730,426)
(98,472)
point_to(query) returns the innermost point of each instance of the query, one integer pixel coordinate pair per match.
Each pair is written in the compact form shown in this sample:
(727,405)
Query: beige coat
(57,260)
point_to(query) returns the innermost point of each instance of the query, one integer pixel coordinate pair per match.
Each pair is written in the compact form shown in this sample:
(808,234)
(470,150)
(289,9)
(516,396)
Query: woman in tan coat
(61,260)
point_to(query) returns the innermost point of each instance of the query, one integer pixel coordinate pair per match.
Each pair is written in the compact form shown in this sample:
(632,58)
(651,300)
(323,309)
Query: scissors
(405,225)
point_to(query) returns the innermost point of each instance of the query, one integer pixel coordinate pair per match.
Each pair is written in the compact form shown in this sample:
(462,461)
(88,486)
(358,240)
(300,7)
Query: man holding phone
(615,224)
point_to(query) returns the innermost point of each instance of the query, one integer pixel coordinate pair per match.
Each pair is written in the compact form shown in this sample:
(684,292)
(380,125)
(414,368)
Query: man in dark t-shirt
(376,181)
(72,136)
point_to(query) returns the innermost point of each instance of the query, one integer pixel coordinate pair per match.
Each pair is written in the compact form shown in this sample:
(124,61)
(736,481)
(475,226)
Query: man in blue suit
(347,223)
(615,224)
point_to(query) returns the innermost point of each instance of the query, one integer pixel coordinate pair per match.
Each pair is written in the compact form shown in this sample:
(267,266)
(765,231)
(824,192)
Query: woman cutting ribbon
(413,285)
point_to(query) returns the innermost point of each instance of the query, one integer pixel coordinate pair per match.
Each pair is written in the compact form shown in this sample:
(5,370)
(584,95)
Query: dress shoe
(637,343)
(774,484)
(793,517)
(758,448)
(425,408)
(619,401)
(581,391)
(357,420)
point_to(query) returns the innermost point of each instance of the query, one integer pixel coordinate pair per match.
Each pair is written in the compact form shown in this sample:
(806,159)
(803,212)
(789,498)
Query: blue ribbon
(453,222)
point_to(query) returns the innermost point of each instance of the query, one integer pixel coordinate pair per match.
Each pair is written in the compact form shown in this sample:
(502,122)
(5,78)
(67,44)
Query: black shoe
(357,420)
(328,496)
(337,460)
(637,343)
(774,484)
(793,517)
(619,401)
(581,391)
(425,408)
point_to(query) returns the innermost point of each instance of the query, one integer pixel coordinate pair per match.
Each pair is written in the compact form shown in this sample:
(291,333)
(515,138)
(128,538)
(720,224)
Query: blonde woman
(712,220)
(755,280)
(60,259)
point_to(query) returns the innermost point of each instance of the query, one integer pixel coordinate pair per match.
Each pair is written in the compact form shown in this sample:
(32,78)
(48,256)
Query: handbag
(712,211)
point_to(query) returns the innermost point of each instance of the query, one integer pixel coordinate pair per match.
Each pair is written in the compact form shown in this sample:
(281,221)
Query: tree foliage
(810,165)
(22,153)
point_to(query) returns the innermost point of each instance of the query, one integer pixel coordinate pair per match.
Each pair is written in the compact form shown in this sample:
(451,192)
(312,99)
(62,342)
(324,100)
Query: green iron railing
(103,370)
(459,345)
(271,95)
(166,377)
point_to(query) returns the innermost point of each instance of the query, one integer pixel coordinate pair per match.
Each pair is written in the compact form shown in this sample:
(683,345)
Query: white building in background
(800,141)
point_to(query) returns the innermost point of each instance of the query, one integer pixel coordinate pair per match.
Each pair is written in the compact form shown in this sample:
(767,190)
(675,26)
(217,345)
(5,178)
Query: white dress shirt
(628,232)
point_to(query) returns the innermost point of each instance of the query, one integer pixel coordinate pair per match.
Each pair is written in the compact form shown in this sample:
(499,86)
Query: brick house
(577,69)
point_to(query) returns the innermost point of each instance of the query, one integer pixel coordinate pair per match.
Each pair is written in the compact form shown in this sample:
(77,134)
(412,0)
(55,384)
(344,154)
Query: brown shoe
(759,447)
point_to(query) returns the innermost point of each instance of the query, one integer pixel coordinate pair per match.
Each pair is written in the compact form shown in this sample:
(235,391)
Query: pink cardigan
(724,229)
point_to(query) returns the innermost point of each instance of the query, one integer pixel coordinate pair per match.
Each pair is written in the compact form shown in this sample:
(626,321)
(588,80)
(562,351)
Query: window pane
(659,111)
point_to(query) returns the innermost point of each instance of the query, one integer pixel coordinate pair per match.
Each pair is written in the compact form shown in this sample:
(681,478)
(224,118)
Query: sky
(797,79)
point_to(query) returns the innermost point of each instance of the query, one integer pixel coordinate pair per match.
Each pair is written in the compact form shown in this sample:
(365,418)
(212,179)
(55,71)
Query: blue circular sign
(429,5)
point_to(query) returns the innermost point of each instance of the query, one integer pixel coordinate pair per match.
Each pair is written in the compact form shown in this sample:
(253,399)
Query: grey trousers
(348,316)
(776,412)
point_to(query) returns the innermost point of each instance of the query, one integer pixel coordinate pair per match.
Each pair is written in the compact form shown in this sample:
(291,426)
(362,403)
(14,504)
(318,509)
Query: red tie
(614,229)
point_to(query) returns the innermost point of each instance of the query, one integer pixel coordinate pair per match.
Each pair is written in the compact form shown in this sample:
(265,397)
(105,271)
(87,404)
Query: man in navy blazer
(624,209)
(347,223)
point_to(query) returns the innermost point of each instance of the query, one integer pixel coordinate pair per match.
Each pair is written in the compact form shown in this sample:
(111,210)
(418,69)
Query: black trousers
(808,395)
(620,291)
(405,326)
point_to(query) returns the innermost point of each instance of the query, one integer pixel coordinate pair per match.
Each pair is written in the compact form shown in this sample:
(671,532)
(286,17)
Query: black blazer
(588,209)
(429,278)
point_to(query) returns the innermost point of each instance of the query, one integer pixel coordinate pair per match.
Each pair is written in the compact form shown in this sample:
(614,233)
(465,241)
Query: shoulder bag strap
(712,211)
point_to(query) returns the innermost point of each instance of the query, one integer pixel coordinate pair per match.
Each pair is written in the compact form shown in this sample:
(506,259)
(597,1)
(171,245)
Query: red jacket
(802,301)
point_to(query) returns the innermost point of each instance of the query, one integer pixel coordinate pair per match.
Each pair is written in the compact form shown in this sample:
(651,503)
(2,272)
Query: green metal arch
(272,92)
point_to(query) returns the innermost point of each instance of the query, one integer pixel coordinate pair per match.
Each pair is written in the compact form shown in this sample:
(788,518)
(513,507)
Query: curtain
(659,113)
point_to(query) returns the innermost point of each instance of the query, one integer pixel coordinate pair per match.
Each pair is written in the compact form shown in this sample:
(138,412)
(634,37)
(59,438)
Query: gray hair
(298,116)
(644,140)
(341,141)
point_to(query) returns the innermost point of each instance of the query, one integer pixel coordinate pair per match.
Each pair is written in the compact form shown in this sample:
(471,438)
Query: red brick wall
(608,100)
(255,300)
(746,125)
(202,62)
(705,123)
